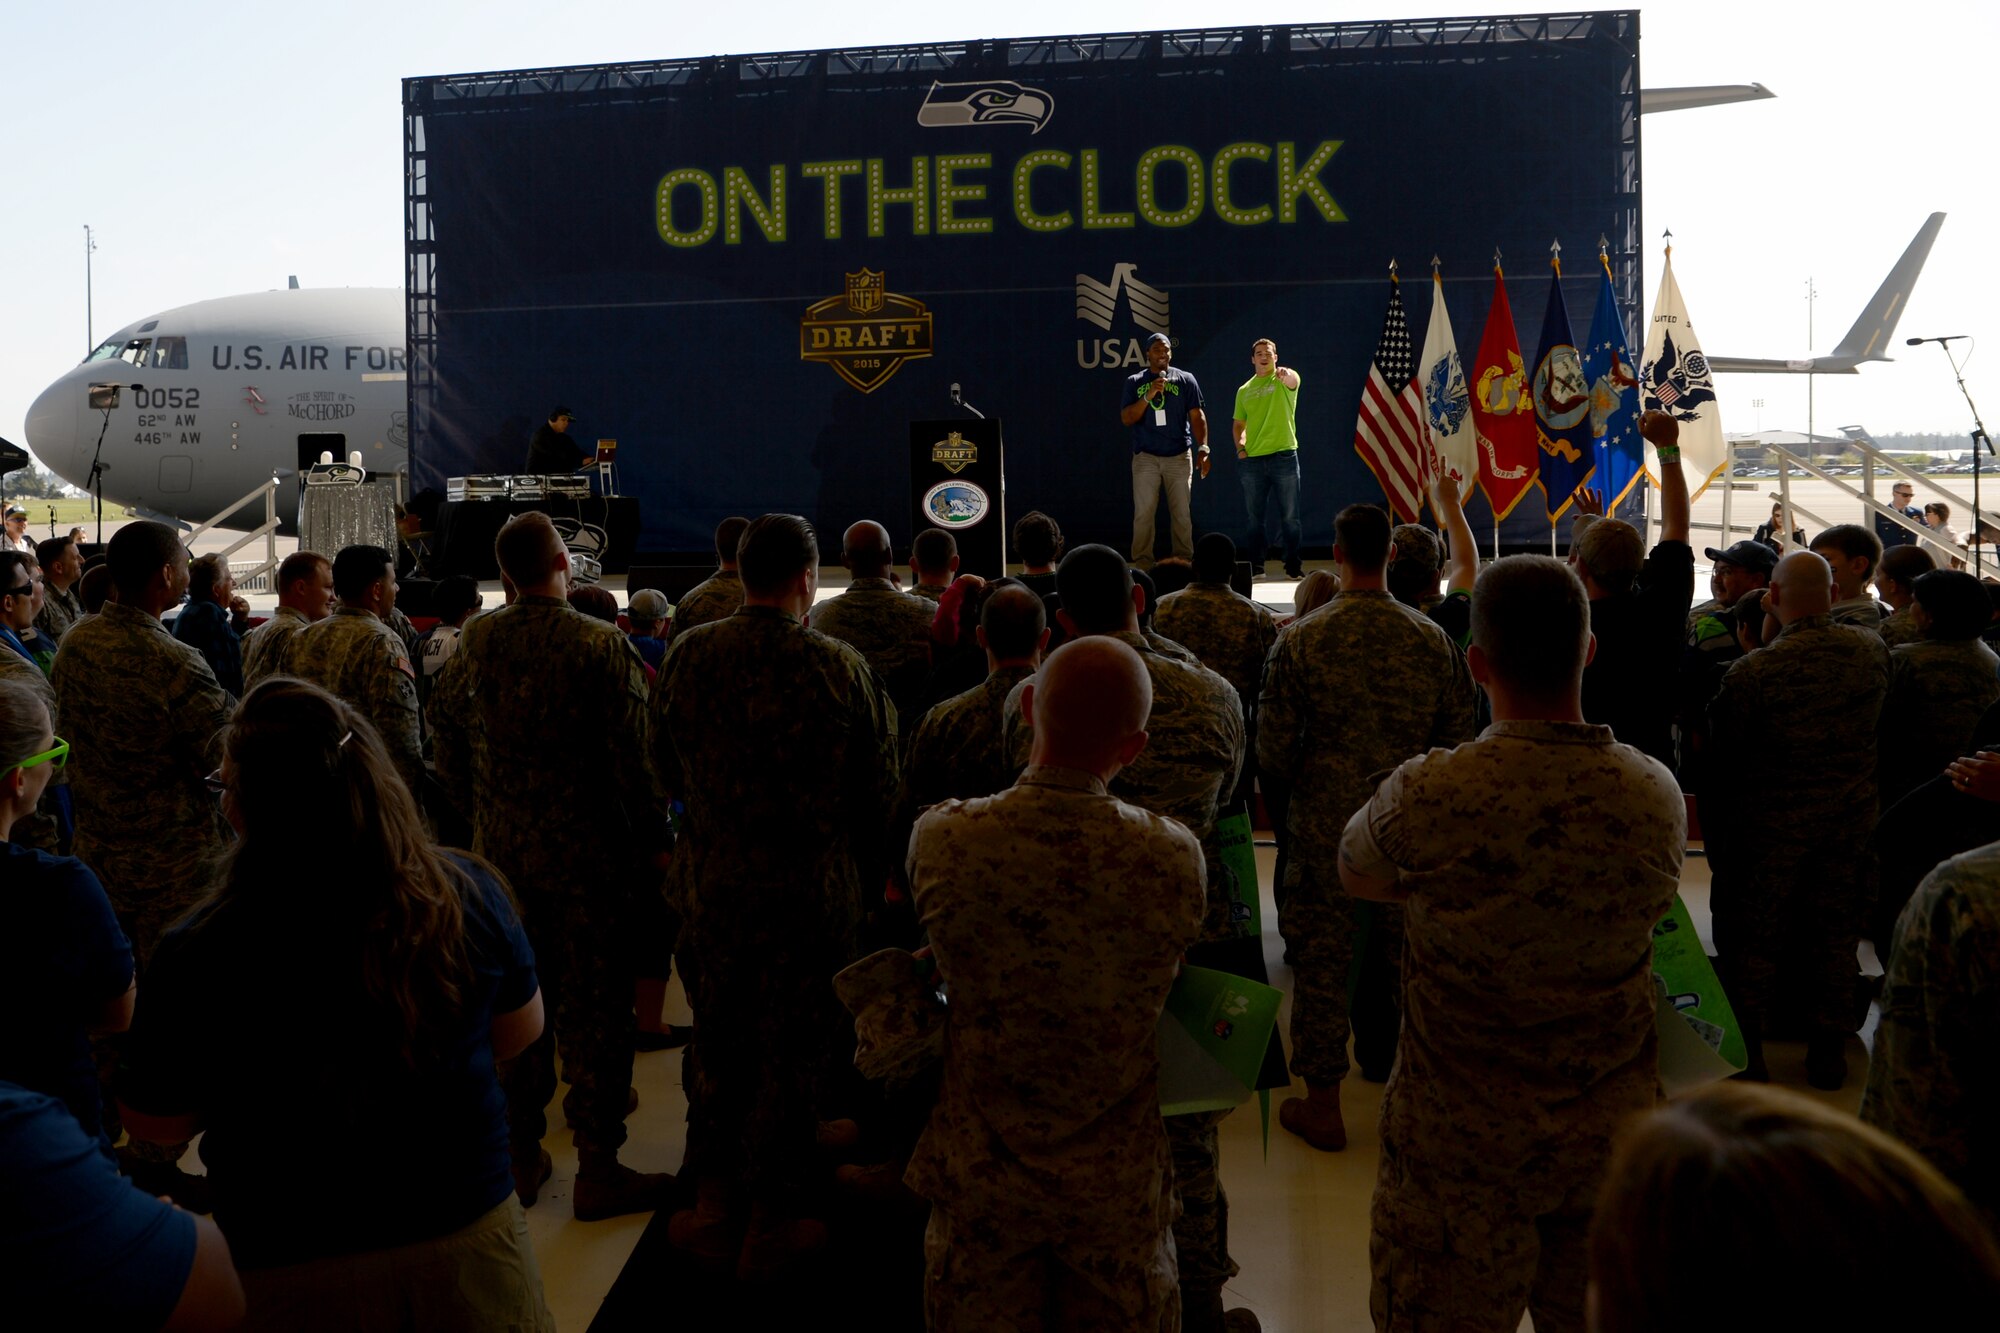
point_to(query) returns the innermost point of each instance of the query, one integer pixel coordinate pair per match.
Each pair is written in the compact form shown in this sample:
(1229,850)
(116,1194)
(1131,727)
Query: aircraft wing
(1751,365)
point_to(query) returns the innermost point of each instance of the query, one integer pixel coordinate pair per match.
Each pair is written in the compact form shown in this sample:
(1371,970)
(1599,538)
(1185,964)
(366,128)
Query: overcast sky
(218,147)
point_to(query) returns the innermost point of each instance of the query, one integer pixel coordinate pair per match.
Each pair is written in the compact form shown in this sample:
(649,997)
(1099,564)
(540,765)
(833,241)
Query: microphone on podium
(1950,338)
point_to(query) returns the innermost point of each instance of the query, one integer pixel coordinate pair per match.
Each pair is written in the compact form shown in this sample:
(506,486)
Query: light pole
(89,324)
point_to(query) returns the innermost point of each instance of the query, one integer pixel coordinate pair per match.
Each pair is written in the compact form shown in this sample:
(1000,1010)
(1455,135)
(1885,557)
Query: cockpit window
(107,350)
(145,353)
(167,354)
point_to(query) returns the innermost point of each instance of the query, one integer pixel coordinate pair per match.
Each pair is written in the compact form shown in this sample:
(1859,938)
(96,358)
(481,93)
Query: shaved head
(866,550)
(1801,586)
(1089,705)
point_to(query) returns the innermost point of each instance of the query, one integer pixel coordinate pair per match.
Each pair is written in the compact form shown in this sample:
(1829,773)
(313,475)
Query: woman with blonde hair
(334,1006)
(1746,1208)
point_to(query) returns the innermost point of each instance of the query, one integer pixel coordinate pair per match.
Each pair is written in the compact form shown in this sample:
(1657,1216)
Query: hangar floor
(1298,1219)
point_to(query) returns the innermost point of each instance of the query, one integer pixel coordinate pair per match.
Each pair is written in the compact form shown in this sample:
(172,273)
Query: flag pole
(1556,263)
(1492,508)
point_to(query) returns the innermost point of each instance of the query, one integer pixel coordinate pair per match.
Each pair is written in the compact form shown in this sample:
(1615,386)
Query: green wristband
(1670,454)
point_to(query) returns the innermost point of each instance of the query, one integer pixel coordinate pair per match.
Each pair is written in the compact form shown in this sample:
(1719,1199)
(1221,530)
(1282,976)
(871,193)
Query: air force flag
(1614,400)
(1453,442)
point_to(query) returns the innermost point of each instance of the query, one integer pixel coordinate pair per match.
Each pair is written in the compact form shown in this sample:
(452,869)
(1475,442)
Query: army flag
(1391,435)
(1614,400)
(1562,405)
(1674,378)
(1447,405)
(1502,421)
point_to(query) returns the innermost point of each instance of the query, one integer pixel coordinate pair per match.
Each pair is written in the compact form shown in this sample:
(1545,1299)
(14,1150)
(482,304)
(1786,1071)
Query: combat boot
(773,1245)
(606,1188)
(1315,1117)
(531,1172)
(705,1230)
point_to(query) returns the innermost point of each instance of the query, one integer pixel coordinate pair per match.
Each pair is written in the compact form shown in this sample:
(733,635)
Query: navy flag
(1561,396)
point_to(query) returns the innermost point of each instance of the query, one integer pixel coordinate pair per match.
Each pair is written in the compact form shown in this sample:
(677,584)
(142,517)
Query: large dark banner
(754,272)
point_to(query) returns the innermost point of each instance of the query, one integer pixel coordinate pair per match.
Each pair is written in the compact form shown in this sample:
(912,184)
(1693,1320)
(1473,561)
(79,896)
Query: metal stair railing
(268,530)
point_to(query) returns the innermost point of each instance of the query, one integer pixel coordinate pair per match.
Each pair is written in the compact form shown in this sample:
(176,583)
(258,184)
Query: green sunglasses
(55,758)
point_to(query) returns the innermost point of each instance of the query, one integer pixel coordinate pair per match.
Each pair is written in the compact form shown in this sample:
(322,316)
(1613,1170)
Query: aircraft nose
(52,430)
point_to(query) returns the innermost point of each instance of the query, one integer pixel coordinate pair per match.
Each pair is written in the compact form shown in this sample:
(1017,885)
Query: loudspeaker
(1240,578)
(676,581)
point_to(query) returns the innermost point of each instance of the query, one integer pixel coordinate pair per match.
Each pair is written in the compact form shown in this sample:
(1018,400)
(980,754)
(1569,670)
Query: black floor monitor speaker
(1239,579)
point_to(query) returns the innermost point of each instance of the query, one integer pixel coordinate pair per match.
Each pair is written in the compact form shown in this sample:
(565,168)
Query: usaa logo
(954,453)
(867,332)
(1097,303)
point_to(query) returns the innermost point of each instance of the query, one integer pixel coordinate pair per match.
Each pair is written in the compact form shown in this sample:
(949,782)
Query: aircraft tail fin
(1869,339)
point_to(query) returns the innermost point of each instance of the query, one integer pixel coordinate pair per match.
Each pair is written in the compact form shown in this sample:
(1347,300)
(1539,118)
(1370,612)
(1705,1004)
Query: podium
(958,483)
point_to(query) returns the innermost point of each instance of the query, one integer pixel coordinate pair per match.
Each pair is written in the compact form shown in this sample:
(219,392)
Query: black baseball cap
(560,412)
(1753,556)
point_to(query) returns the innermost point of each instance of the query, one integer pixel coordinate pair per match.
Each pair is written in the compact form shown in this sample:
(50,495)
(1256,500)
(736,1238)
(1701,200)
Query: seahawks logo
(985,102)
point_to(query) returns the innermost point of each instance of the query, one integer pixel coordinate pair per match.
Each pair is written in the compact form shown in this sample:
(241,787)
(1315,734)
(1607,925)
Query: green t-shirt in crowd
(1269,413)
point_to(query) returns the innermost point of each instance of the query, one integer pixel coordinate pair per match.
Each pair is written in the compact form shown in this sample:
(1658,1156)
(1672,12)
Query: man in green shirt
(1267,452)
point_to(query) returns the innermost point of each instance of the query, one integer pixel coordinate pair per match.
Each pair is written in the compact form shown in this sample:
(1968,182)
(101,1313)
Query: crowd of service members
(246,920)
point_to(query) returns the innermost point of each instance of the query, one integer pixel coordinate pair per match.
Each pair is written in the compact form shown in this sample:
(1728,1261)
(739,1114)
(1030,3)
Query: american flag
(1391,434)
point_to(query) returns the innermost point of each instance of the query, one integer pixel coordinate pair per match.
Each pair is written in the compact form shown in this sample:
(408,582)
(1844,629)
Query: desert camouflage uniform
(1931,1078)
(714,598)
(889,628)
(959,751)
(39,828)
(1166,647)
(358,656)
(783,746)
(1193,755)
(1044,1156)
(1862,612)
(60,610)
(1789,857)
(540,727)
(1537,860)
(141,712)
(264,648)
(1937,691)
(1900,627)
(1356,688)
(1229,633)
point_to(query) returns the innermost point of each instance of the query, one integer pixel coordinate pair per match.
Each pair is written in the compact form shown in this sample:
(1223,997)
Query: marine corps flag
(1502,422)
(1614,401)
(1392,436)
(1674,378)
(1562,404)
(1447,406)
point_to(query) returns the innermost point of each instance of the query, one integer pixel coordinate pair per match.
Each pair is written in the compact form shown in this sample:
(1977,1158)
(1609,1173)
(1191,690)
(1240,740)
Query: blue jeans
(1261,476)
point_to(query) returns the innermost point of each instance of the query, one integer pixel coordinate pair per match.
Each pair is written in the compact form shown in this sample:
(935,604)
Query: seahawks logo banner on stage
(756,271)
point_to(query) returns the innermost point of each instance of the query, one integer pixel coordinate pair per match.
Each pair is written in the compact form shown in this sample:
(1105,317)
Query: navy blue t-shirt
(62,959)
(1176,436)
(79,1246)
(264,1032)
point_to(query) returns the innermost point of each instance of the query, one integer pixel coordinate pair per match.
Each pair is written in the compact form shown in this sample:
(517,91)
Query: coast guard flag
(1502,419)
(1674,378)
(1391,435)
(1614,400)
(1447,405)
(1562,405)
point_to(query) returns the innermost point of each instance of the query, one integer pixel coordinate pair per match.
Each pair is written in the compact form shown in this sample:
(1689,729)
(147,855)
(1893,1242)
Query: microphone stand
(96,479)
(1979,437)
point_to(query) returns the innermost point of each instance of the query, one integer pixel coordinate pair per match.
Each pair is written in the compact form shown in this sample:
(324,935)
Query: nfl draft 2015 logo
(956,504)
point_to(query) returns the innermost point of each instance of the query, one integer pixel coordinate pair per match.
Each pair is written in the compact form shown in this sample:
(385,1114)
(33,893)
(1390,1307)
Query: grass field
(69,513)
